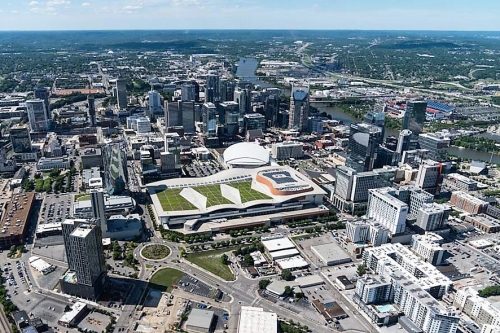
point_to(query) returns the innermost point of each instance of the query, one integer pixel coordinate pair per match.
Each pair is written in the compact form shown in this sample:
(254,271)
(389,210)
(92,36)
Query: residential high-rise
(432,216)
(121,93)
(91,104)
(212,89)
(115,164)
(99,209)
(188,92)
(437,145)
(364,141)
(209,115)
(43,94)
(299,108)
(428,247)
(414,117)
(389,211)
(20,139)
(360,231)
(37,115)
(155,103)
(87,267)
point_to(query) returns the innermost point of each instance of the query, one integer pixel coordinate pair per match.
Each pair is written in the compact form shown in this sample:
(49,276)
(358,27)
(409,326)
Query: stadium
(246,155)
(235,198)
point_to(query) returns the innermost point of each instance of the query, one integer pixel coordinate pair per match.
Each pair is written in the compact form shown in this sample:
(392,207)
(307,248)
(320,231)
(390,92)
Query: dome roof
(246,154)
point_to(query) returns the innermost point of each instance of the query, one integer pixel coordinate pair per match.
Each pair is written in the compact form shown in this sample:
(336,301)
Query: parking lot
(94,322)
(192,285)
(202,169)
(55,208)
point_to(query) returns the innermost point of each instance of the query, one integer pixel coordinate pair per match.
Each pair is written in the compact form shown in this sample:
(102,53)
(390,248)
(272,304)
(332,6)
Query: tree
(288,290)
(361,269)
(224,259)
(286,275)
(264,283)
(248,259)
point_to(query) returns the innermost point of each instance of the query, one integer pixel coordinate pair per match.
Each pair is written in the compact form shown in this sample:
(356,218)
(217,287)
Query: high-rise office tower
(196,90)
(91,103)
(428,176)
(243,98)
(87,267)
(212,89)
(377,119)
(37,115)
(254,121)
(403,141)
(209,115)
(188,92)
(437,145)
(227,90)
(299,108)
(20,139)
(231,117)
(180,113)
(121,93)
(187,113)
(414,117)
(98,209)
(271,106)
(154,103)
(43,94)
(363,144)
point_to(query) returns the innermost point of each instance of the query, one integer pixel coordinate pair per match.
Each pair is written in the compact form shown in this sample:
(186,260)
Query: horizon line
(249,29)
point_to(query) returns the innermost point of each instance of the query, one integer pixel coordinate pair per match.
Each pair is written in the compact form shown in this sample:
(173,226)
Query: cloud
(186,3)
(13,11)
(45,10)
(132,7)
(33,3)
(85,4)
(58,2)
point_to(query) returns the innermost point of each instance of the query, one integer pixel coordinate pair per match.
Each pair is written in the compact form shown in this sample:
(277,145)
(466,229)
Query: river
(246,70)
(347,119)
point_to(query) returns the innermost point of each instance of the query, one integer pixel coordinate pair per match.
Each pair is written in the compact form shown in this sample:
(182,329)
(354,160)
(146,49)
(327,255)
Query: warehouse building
(330,254)
(200,320)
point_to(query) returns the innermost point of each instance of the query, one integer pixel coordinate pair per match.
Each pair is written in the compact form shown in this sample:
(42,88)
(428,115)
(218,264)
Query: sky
(250,14)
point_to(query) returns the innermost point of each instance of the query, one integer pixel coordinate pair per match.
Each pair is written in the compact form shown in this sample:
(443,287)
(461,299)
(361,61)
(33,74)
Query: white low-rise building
(256,320)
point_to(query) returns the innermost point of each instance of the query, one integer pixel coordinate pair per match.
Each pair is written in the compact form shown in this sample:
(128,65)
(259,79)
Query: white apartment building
(426,275)
(396,285)
(389,211)
(477,308)
(361,231)
(428,247)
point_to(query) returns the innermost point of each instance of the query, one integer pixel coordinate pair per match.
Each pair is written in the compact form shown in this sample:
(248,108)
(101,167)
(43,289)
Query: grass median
(165,278)
(212,262)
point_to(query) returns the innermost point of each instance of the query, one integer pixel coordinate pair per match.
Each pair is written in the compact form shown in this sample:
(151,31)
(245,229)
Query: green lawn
(165,278)
(83,197)
(211,261)
(213,194)
(170,200)
(155,251)
(246,192)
